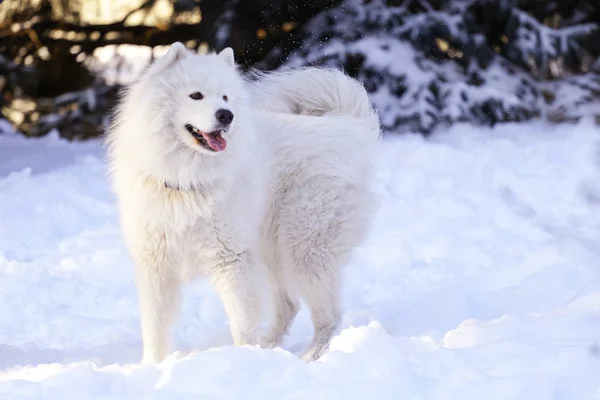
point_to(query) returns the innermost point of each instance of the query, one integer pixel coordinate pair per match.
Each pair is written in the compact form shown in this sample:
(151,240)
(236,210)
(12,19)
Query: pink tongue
(215,141)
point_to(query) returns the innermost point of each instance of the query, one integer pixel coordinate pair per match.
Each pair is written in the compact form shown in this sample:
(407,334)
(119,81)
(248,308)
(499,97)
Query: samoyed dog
(261,185)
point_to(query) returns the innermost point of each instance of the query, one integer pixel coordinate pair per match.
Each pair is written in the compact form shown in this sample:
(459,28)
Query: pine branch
(90,37)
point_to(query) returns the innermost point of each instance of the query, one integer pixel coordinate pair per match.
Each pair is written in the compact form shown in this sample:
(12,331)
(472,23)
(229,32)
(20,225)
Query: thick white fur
(280,209)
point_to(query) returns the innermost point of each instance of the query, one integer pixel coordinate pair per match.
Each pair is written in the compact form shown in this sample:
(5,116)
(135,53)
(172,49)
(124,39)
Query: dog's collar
(179,188)
(174,187)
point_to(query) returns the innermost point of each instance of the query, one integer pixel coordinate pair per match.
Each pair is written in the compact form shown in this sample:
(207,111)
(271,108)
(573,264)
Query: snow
(480,280)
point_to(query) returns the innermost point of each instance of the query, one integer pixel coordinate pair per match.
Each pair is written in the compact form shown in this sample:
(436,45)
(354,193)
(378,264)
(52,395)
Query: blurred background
(426,63)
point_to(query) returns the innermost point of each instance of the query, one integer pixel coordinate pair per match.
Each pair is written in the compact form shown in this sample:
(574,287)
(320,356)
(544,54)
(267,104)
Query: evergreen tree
(427,64)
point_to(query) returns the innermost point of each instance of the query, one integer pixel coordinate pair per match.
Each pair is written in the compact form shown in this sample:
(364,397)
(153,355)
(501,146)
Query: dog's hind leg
(316,270)
(158,292)
(324,220)
(321,295)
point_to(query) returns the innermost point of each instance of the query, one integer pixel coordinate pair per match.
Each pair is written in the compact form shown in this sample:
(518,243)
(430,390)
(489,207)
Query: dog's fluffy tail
(313,91)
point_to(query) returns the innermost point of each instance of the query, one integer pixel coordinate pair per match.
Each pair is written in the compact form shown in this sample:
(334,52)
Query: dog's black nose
(224,116)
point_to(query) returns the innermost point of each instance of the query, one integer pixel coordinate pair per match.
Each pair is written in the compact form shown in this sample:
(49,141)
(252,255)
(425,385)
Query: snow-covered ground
(480,280)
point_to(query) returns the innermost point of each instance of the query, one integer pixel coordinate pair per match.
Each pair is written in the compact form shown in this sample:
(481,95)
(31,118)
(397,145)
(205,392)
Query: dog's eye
(225,97)
(196,96)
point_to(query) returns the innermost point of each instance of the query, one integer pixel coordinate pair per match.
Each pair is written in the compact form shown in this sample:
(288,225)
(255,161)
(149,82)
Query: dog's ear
(177,51)
(227,55)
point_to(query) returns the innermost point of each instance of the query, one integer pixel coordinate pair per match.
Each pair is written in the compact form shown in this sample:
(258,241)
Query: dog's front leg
(158,293)
(236,282)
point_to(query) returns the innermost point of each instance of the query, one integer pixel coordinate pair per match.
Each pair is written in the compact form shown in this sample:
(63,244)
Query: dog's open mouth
(212,141)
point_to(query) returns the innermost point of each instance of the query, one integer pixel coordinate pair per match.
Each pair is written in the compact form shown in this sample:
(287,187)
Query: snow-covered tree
(427,64)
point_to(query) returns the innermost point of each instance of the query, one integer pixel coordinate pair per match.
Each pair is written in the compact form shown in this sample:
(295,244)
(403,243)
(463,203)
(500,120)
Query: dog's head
(200,93)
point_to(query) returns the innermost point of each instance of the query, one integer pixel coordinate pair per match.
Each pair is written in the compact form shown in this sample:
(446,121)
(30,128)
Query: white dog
(257,185)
